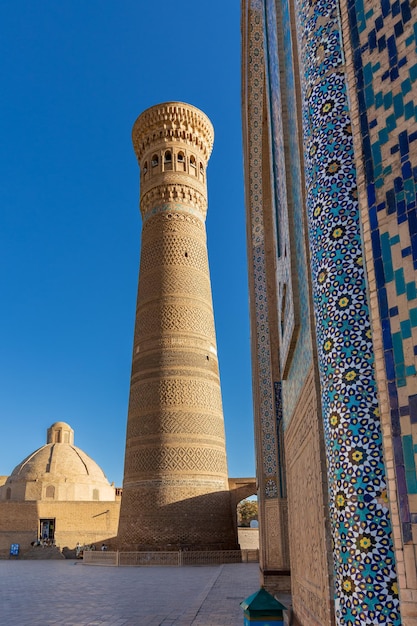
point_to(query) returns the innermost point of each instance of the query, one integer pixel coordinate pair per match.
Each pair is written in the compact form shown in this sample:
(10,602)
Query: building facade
(59,494)
(175,489)
(329,101)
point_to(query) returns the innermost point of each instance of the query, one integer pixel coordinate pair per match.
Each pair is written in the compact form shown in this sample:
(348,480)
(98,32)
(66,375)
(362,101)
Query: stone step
(39,553)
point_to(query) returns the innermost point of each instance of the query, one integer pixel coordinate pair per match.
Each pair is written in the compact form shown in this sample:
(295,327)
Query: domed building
(59,493)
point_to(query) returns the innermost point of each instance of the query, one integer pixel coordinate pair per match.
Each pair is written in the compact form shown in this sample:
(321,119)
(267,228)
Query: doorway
(47,530)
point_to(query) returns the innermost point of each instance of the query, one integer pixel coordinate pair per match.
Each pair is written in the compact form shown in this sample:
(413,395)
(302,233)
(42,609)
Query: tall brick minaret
(175,489)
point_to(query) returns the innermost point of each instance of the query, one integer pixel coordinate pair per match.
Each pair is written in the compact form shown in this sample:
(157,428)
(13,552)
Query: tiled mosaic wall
(383,40)
(264,403)
(365,575)
(291,262)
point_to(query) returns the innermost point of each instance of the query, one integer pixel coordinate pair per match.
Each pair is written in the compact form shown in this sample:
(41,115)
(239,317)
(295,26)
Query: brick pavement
(42,593)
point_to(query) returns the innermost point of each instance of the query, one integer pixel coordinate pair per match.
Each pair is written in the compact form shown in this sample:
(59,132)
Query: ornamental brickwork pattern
(175,491)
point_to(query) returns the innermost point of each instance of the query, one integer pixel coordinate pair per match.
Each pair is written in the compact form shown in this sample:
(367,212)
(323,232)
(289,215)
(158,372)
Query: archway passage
(240,489)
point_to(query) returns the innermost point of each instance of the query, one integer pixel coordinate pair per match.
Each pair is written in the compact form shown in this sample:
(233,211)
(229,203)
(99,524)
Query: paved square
(41,593)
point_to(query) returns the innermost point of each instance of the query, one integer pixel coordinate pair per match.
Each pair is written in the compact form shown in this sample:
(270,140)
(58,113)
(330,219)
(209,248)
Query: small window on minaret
(201,171)
(192,161)
(181,161)
(155,160)
(145,167)
(168,160)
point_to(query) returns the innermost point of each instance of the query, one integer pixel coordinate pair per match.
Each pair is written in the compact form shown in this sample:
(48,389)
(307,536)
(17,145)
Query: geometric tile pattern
(267,472)
(383,40)
(365,575)
(294,320)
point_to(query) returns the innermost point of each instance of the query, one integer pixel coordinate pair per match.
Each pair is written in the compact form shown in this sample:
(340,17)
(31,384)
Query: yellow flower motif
(347,585)
(334,419)
(394,588)
(344,301)
(359,261)
(328,345)
(365,543)
(327,106)
(351,375)
(340,500)
(376,412)
(317,210)
(334,167)
(322,276)
(357,456)
(338,232)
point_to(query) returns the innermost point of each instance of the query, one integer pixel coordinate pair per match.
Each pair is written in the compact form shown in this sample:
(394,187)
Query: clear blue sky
(74,77)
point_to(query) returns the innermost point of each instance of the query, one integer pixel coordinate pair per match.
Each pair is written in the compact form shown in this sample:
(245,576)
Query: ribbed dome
(58,460)
(58,471)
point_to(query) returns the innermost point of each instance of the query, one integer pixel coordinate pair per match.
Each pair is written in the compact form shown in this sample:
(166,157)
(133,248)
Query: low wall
(173,559)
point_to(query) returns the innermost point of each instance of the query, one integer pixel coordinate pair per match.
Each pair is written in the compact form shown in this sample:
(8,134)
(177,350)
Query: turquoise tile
(397,342)
(369,96)
(391,123)
(409,188)
(369,14)
(395,239)
(400,371)
(405,330)
(411,480)
(379,182)
(406,86)
(378,170)
(383,136)
(409,40)
(399,281)
(408,110)
(410,370)
(401,382)
(387,170)
(376,67)
(411,290)
(413,72)
(376,152)
(387,100)
(398,105)
(379,99)
(413,317)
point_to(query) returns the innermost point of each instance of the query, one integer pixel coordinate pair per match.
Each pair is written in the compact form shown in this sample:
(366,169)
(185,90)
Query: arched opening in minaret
(192,163)
(168,160)
(181,162)
(202,172)
(154,160)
